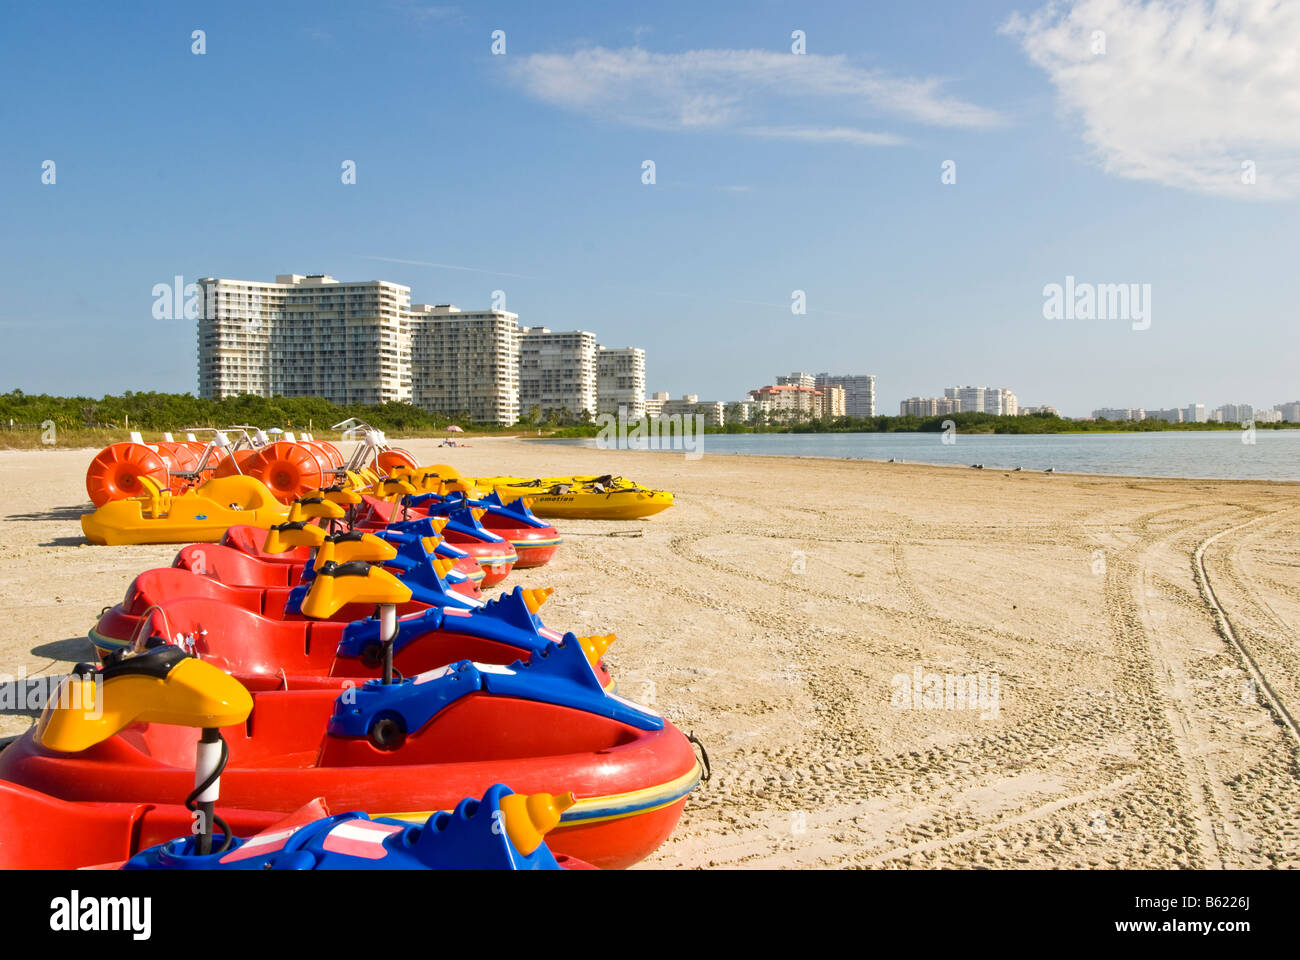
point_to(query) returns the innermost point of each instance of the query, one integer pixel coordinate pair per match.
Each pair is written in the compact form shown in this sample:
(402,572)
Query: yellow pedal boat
(201,515)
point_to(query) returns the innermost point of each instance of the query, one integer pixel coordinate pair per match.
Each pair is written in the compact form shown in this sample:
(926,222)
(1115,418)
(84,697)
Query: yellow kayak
(201,515)
(580,497)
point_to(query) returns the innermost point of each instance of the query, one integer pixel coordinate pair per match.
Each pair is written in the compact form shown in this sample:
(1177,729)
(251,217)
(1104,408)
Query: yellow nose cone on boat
(595,647)
(535,597)
(529,817)
(192,693)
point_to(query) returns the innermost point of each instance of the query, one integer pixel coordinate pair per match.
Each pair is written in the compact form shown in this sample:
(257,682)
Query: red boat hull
(237,569)
(535,546)
(633,782)
(54,834)
(292,653)
(64,835)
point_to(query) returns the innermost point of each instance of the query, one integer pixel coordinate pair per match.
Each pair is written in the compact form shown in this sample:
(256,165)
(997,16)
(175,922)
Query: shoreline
(576,442)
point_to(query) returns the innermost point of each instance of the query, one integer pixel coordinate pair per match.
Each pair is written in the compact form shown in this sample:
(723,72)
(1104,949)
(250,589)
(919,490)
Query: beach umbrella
(454,429)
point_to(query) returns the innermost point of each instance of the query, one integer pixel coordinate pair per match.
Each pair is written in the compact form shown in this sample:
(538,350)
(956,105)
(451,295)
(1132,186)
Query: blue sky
(774,172)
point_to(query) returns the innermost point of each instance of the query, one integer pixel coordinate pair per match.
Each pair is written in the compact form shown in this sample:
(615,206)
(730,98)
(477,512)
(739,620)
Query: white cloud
(1185,92)
(749,91)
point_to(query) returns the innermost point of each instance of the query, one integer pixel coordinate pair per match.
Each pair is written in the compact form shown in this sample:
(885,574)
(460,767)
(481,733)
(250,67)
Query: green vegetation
(965,422)
(87,421)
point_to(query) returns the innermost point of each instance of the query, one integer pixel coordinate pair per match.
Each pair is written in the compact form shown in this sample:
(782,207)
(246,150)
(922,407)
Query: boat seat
(163,684)
(296,533)
(354,546)
(338,584)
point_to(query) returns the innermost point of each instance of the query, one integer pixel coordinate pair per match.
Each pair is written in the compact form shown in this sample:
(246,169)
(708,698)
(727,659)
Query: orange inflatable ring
(323,456)
(336,456)
(231,465)
(388,460)
(288,469)
(115,472)
(179,457)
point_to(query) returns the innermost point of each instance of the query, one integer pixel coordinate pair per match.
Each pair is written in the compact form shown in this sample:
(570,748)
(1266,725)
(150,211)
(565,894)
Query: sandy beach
(775,608)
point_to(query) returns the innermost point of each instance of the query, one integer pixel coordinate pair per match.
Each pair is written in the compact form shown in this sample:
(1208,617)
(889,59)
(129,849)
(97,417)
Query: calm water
(1275,454)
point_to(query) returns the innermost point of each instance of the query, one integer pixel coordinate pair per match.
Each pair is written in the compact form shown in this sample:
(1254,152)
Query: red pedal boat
(412,747)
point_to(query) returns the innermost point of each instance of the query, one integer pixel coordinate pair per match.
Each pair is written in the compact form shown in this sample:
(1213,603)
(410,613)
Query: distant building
(1119,413)
(993,400)
(713,411)
(655,402)
(364,343)
(969,399)
(1270,416)
(789,401)
(1233,413)
(833,404)
(1173,415)
(929,406)
(465,362)
(1290,411)
(859,392)
(305,336)
(557,370)
(1195,413)
(620,381)
(797,379)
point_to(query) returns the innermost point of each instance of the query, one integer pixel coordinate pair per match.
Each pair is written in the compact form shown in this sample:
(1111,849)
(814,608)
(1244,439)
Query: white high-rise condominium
(859,392)
(928,406)
(797,379)
(970,399)
(557,371)
(1234,413)
(1195,413)
(994,400)
(620,381)
(465,362)
(305,336)
(363,343)
(1119,413)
